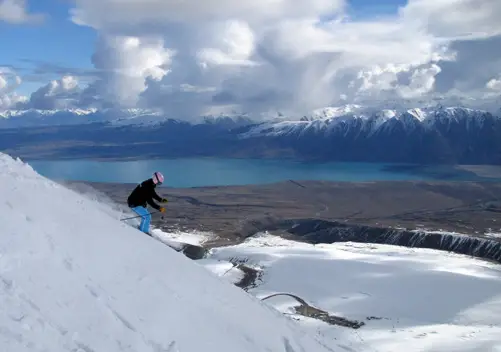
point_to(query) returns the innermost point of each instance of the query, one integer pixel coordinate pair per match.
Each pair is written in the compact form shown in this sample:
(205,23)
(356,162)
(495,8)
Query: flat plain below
(233,213)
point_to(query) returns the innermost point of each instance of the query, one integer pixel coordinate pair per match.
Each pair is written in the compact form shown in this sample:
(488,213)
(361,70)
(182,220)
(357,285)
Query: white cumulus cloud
(405,81)
(128,62)
(234,45)
(193,57)
(57,94)
(9,82)
(457,19)
(15,12)
(494,84)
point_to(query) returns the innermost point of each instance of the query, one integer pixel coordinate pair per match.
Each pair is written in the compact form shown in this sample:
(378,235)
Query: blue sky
(57,41)
(371,8)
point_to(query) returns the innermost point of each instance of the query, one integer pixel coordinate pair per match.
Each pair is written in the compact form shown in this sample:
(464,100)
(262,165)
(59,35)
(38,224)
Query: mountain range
(430,135)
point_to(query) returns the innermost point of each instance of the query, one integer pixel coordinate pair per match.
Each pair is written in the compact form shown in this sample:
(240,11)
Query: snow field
(74,278)
(422,300)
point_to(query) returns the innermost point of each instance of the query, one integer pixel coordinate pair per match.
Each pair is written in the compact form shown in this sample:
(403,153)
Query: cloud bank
(262,56)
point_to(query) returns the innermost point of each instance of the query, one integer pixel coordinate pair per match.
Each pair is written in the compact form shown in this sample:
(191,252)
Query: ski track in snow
(75,278)
(425,300)
(196,238)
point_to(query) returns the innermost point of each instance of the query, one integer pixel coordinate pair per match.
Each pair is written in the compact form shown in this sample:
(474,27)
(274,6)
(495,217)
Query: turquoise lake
(198,172)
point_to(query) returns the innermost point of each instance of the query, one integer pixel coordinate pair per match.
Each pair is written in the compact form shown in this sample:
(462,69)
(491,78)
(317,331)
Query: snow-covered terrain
(367,122)
(196,238)
(36,118)
(322,120)
(64,117)
(418,300)
(111,117)
(75,278)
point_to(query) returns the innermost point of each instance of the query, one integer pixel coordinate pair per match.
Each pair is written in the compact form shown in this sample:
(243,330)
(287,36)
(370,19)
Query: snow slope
(73,278)
(424,300)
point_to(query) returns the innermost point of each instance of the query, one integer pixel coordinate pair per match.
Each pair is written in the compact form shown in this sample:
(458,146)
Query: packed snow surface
(196,238)
(74,278)
(421,300)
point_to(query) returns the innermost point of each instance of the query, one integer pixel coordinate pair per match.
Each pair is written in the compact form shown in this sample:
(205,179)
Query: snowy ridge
(330,112)
(37,118)
(455,242)
(319,231)
(324,120)
(370,122)
(37,112)
(118,117)
(112,117)
(74,278)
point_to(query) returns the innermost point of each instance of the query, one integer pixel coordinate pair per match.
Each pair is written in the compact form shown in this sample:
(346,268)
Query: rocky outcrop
(309,311)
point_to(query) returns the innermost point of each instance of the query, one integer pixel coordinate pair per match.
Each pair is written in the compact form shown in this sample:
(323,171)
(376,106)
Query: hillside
(74,278)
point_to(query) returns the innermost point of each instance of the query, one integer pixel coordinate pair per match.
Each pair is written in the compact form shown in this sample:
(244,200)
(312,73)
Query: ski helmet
(158,178)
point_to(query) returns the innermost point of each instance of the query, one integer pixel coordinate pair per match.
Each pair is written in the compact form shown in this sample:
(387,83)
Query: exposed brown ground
(233,211)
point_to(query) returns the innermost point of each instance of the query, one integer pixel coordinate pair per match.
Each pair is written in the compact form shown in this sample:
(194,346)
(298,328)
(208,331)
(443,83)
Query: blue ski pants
(145,218)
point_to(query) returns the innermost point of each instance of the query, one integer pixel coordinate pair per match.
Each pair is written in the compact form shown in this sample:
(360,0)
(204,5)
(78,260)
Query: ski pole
(138,216)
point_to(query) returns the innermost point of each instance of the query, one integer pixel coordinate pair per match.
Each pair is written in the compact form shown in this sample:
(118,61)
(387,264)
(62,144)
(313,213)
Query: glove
(164,200)
(162,210)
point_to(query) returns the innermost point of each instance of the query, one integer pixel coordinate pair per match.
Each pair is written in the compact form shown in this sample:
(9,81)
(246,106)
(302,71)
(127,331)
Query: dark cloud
(39,70)
(476,63)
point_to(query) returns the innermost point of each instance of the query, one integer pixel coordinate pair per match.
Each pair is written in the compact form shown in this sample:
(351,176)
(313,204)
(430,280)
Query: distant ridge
(436,135)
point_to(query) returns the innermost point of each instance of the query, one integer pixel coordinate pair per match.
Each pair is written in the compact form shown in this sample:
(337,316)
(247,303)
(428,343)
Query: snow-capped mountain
(112,117)
(324,120)
(36,118)
(332,121)
(443,134)
(349,133)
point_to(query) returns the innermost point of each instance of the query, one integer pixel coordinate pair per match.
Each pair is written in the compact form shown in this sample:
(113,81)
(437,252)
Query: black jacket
(144,193)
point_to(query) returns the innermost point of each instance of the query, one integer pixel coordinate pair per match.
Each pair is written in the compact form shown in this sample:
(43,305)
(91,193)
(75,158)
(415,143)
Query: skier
(143,194)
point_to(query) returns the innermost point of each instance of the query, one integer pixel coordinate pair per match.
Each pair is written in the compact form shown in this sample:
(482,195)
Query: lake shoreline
(209,171)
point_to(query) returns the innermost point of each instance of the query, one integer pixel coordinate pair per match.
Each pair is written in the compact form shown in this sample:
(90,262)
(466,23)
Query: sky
(193,58)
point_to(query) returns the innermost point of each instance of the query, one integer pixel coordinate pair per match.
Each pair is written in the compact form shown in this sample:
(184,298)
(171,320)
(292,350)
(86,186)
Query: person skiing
(144,194)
